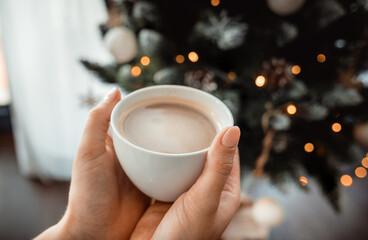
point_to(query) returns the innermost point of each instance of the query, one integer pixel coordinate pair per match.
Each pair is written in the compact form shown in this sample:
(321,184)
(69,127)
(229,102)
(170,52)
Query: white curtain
(43,41)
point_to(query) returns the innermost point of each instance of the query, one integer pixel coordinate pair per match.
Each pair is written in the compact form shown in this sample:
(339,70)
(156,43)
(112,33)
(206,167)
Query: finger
(150,220)
(95,132)
(232,184)
(230,197)
(218,166)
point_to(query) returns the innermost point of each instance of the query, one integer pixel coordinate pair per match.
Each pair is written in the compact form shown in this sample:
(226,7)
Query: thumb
(95,131)
(219,163)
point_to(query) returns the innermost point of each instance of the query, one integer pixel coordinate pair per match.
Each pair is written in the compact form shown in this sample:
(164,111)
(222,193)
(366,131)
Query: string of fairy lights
(346,180)
(261,81)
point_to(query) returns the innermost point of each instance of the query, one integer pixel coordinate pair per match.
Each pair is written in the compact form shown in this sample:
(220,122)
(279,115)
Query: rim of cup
(142,90)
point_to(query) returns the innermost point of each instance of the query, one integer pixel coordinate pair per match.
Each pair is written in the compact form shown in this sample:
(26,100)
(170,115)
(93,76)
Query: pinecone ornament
(277,73)
(201,79)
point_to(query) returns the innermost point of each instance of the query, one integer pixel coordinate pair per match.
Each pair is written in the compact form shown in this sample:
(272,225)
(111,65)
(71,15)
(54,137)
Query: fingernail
(110,94)
(231,137)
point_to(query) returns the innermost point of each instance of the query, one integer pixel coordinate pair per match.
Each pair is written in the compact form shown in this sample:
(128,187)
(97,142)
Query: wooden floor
(27,207)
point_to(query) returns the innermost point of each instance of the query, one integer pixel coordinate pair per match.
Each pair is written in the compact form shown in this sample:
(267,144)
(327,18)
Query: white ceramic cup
(163,176)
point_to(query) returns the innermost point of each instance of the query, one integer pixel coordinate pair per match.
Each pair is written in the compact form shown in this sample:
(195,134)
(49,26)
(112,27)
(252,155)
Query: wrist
(70,227)
(56,232)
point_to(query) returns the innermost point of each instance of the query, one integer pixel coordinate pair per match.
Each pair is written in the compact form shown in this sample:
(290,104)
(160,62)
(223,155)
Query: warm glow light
(215,3)
(260,81)
(365,162)
(291,109)
(309,147)
(145,61)
(336,127)
(346,180)
(296,69)
(321,58)
(360,172)
(136,71)
(231,76)
(303,181)
(193,56)
(179,58)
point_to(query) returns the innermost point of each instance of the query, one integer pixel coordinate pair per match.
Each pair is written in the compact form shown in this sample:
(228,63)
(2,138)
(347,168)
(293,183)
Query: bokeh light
(346,180)
(136,71)
(193,56)
(291,109)
(231,76)
(336,127)
(303,181)
(360,172)
(309,147)
(215,3)
(145,61)
(260,81)
(365,162)
(179,58)
(321,58)
(296,69)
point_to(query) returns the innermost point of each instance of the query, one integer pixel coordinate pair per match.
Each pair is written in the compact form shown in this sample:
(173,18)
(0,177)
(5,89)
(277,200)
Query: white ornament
(267,212)
(285,7)
(121,43)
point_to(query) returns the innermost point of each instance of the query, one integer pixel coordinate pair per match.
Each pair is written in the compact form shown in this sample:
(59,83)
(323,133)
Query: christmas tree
(293,73)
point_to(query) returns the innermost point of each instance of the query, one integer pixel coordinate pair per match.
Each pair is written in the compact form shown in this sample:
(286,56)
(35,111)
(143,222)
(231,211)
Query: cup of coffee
(161,136)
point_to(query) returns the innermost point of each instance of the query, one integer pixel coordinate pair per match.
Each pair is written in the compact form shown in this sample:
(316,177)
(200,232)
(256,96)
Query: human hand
(207,208)
(103,203)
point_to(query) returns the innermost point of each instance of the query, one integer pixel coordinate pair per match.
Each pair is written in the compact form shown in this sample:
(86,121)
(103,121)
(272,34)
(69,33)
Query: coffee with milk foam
(169,125)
